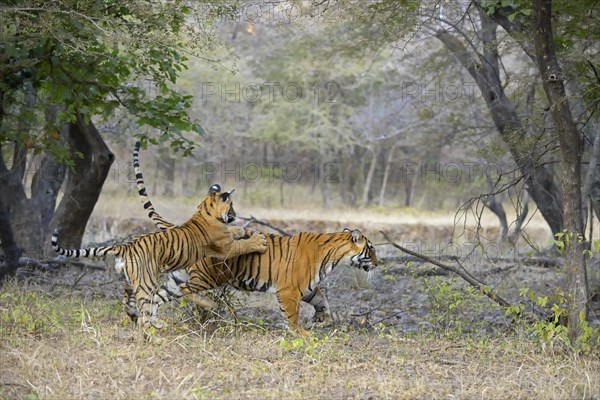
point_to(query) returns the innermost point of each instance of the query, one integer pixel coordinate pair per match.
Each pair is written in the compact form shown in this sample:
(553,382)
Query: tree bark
(521,215)
(409,178)
(591,185)
(496,207)
(84,183)
(23,217)
(571,152)
(386,175)
(12,252)
(370,174)
(544,191)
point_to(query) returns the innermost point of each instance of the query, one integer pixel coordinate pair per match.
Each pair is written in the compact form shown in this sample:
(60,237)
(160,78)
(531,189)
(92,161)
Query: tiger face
(220,204)
(365,257)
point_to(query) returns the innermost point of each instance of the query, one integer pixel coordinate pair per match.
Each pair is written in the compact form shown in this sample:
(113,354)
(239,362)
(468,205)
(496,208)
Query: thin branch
(461,271)
(253,220)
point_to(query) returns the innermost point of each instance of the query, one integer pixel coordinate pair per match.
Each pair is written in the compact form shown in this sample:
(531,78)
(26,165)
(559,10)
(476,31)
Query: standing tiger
(292,267)
(144,258)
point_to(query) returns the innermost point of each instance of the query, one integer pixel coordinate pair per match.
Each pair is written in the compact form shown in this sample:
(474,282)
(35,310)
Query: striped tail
(91,252)
(159,221)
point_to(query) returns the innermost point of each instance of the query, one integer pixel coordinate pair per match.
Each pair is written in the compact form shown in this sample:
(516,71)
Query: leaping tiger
(205,234)
(292,267)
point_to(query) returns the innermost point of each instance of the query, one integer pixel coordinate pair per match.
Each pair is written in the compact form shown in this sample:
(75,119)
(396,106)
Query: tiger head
(218,204)
(364,256)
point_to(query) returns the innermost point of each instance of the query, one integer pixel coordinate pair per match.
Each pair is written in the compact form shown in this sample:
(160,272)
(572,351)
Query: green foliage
(517,8)
(91,58)
(451,307)
(576,30)
(553,329)
(35,313)
(307,346)
(564,238)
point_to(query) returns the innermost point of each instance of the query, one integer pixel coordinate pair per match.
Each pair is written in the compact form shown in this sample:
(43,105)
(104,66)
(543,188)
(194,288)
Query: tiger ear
(347,230)
(214,189)
(227,195)
(357,236)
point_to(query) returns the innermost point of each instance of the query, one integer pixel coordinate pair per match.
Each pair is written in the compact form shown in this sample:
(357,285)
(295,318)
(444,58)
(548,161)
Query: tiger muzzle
(367,266)
(231,215)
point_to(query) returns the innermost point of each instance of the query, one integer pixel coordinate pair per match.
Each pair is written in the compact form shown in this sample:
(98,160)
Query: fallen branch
(253,220)
(412,259)
(460,271)
(51,264)
(546,262)
(418,271)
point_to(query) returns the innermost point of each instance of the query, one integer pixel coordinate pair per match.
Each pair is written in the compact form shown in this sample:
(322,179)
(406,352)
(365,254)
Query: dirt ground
(405,330)
(403,293)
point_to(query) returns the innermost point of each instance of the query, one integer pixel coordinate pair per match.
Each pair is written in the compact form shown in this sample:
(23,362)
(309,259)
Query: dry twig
(460,271)
(253,220)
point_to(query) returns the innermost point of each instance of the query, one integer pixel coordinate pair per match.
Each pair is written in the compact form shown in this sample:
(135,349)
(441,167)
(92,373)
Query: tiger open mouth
(367,266)
(230,217)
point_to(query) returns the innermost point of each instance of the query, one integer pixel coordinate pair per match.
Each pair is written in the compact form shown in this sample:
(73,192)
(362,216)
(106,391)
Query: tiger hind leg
(144,293)
(130,307)
(203,277)
(129,303)
(179,284)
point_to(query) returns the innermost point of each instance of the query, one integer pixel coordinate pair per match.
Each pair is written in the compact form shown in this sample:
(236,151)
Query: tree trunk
(386,175)
(544,191)
(25,220)
(169,168)
(370,174)
(591,186)
(571,152)
(50,175)
(83,187)
(29,217)
(516,29)
(497,208)
(595,194)
(12,252)
(409,180)
(521,215)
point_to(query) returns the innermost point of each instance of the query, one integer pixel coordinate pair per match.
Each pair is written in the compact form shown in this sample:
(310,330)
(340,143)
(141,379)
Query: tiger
(144,258)
(292,267)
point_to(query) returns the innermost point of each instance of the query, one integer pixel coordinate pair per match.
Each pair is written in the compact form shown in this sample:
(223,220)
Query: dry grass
(63,345)
(70,340)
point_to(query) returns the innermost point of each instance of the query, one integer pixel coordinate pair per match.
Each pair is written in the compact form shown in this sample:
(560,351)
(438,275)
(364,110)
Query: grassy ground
(64,344)
(69,338)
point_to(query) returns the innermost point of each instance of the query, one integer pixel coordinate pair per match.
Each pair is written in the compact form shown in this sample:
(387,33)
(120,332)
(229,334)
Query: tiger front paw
(260,242)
